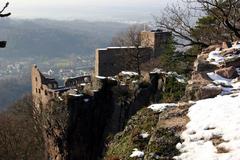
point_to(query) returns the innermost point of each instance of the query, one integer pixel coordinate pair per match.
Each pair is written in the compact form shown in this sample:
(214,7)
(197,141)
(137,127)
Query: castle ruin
(72,138)
(63,113)
(108,62)
(45,88)
(112,60)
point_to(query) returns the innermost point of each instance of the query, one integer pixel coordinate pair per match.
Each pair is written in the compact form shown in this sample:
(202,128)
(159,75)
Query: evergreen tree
(167,60)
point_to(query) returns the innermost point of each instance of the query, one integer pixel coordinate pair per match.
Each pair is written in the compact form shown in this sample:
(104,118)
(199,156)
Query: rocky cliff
(79,126)
(202,125)
(74,126)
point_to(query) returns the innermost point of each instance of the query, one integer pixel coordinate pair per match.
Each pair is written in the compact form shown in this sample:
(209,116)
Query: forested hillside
(53,38)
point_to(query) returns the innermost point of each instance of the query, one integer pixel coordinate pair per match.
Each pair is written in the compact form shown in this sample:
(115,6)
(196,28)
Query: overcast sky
(122,10)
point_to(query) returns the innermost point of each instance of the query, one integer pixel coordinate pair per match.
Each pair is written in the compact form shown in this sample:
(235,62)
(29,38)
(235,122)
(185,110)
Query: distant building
(112,60)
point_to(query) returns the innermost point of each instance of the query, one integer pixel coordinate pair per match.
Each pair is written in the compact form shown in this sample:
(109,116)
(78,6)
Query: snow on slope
(217,57)
(228,86)
(215,118)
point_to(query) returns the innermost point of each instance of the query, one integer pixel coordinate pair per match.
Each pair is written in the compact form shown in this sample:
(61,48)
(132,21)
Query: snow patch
(161,107)
(216,77)
(157,70)
(144,135)
(128,73)
(60,98)
(75,95)
(137,153)
(180,80)
(100,77)
(214,57)
(228,85)
(83,84)
(86,100)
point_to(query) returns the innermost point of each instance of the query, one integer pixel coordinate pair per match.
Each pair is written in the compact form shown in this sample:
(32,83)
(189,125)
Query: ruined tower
(155,39)
(43,88)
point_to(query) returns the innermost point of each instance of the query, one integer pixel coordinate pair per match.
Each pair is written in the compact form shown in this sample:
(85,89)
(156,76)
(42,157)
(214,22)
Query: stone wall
(77,81)
(42,87)
(112,60)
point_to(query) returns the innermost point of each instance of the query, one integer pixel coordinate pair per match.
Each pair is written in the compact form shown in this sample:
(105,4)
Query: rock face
(88,120)
(202,65)
(212,76)
(163,130)
(129,99)
(76,126)
(199,78)
(198,87)
(197,92)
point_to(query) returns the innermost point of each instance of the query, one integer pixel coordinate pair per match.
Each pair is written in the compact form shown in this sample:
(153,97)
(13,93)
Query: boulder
(208,92)
(200,78)
(198,92)
(228,72)
(203,65)
(200,87)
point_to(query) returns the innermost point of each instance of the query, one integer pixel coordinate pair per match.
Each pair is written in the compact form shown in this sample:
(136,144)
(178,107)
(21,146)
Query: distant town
(60,68)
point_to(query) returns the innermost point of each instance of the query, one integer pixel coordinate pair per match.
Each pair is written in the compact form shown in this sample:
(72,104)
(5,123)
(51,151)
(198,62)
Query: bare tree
(181,20)
(131,41)
(20,138)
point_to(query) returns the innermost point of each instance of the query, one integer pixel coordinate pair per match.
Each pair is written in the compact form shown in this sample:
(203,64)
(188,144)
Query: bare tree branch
(180,22)
(3,9)
(183,21)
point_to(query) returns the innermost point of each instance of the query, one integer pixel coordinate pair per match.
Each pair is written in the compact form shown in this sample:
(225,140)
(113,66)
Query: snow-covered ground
(213,132)
(212,118)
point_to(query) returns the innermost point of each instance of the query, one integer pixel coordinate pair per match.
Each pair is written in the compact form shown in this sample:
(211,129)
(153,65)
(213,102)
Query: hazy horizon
(91,10)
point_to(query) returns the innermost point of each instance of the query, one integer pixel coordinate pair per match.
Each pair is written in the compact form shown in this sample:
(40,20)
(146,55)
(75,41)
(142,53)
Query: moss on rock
(123,143)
